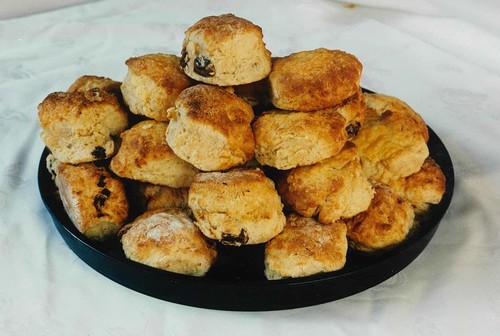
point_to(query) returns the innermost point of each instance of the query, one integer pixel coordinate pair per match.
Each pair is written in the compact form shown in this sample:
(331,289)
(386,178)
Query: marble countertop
(441,57)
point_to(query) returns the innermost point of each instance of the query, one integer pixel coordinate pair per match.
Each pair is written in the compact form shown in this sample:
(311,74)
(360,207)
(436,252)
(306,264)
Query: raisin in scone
(225,50)
(168,239)
(237,207)
(305,247)
(144,155)
(81,126)
(94,200)
(88,82)
(152,84)
(285,139)
(387,221)
(332,189)
(314,79)
(210,128)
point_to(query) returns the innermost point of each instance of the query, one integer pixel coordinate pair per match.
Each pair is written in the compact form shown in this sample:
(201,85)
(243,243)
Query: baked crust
(305,247)
(95,201)
(314,79)
(81,126)
(144,155)
(285,140)
(168,239)
(210,128)
(238,207)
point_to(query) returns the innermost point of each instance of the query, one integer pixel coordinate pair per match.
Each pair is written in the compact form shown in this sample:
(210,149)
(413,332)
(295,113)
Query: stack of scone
(226,145)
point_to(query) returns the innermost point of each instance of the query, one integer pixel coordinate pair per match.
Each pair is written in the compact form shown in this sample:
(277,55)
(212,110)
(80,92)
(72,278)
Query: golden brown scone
(81,127)
(305,247)
(314,79)
(332,189)
(152,84)
(427,186)
(225,50)
(210,128)
(94,200)
(168,239)
(88,82)
(353,109)
(380,103)
(144,155)
(391,143)
(237,207)
(163,197)
(386,222)
(285,139)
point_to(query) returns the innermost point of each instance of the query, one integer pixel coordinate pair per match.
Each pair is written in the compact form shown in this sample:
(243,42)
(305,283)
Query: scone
(391,143)
(95,201)
(332,189)
(314,79)
(163,197)
(427,186)
(285,139)
(237,207)
(168,239)
(144,155)
(305,247)
(152,84)
(225,50)
(210,128)
(353,109)
(387,221)
(81,126)
(88,82)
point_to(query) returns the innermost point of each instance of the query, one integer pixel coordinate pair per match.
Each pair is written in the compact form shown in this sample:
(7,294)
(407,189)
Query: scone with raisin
(225,50)
(144,155)
(332,189)
(81,126)
(94,200)
(387,221)
(305,247)
(353,109)
(152,84)
(238,207)
(285,139)
(89,82)
(392,142)
(167,239)
(210,128)
(314,79)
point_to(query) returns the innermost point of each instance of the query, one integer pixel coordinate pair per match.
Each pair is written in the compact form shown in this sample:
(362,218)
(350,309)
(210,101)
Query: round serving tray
(236,281)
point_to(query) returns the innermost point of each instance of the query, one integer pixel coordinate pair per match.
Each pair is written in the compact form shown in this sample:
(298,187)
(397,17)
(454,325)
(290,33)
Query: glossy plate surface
(236,281)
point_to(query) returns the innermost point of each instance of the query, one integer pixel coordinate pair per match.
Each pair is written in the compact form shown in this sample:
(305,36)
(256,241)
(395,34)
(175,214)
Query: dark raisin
(102,181)
(99,201)
(184,58)
(204,67)
(352,129)
(229,239)
(106,192)
(99,153)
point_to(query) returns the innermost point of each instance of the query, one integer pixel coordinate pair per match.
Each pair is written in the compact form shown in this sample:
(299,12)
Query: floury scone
(225,50)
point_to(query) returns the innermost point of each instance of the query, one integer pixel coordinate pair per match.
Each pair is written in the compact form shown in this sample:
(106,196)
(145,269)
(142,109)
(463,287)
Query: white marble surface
(442,57)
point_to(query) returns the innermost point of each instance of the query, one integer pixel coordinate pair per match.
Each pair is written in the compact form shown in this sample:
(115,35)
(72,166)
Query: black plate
(236,281)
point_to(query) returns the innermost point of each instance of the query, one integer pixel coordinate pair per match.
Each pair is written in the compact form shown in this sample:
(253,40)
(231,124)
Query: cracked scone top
(225,50)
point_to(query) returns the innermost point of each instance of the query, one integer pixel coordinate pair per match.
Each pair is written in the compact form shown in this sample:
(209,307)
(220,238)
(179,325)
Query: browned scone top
(95,201)
(144,155)
(168,239)
(314,79)
(152,84)
(88,82)
(353,109)
(225,50)
(81,126)
(305,247)
(285,139)
(210,128)
(237,207)
(387,221)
